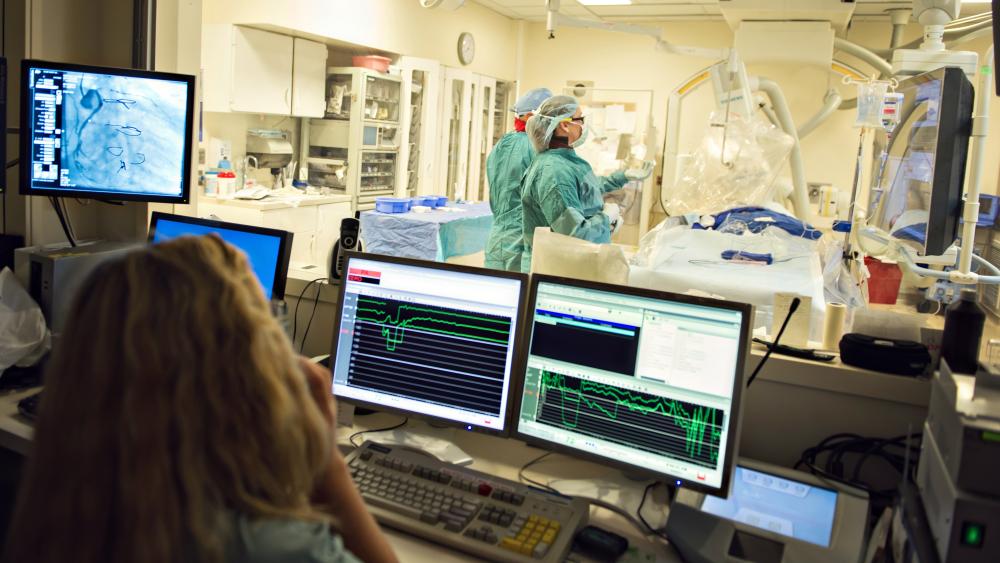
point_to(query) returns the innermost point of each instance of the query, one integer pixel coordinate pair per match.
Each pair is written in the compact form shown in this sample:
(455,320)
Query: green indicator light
(991,436)
(972,534)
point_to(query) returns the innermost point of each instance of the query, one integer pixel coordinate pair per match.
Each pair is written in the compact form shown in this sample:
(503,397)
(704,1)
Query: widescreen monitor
(644,380)
(919,167)
(105,133)
(426,339)
(268,250)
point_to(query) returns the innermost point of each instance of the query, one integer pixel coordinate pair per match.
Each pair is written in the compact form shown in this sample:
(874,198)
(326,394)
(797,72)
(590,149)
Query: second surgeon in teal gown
(560,189)
(504,169)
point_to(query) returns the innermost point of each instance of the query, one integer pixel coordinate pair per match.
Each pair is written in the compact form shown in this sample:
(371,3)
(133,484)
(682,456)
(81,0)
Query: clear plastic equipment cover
(736,164)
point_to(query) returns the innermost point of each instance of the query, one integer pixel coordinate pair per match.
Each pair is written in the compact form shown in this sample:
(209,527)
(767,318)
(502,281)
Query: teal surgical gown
(561,191)
(504,168)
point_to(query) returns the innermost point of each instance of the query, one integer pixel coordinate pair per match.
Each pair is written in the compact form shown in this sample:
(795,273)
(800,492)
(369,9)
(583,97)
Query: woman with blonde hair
(177,424)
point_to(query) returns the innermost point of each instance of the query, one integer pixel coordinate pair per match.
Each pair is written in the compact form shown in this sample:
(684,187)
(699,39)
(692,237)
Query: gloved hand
(640,173)
(614,213)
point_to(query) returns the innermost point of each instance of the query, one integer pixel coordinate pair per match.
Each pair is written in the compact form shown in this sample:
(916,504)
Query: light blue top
(285,541)
(561,191)
(504,169)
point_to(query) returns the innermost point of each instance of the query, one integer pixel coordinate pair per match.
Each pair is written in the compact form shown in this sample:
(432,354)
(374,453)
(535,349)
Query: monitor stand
(435,442)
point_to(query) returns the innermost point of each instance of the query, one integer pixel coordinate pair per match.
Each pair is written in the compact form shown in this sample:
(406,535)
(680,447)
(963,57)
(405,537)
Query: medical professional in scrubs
(504,168)
(560,189)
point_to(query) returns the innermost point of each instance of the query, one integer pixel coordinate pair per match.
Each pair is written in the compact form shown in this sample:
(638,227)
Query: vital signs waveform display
(668,427)
(436,354)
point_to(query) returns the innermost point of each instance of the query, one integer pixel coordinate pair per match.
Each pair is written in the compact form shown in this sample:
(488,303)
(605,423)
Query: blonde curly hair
(173,397)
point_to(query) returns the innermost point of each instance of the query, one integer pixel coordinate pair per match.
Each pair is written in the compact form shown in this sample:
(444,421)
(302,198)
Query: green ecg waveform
(696,424)
(393,328)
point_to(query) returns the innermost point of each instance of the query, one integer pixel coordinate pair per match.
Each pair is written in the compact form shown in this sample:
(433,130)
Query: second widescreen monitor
(645,380)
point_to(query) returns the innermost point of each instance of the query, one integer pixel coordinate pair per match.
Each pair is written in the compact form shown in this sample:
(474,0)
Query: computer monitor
(268,250)
(647,381)
(105,133)
(778,504)
(919,167)
(427,339)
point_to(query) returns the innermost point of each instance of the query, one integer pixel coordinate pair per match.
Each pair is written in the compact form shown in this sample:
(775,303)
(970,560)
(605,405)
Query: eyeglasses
(580,119)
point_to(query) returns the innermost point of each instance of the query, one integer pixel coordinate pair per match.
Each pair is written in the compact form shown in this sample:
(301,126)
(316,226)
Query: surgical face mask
(584,133)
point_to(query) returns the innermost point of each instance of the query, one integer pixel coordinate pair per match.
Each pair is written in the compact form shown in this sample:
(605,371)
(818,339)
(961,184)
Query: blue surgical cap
(543,124)
(530,101)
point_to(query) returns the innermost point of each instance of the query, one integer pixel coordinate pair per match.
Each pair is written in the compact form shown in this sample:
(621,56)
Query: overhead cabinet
(254,71)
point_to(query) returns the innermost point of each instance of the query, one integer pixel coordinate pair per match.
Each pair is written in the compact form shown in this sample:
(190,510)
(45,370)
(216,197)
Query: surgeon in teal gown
(559,189)
(504,169)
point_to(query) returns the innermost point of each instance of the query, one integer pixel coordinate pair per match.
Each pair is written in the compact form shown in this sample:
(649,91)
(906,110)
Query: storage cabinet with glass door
(492,119)
(474,108)
(417,154)
(354,148)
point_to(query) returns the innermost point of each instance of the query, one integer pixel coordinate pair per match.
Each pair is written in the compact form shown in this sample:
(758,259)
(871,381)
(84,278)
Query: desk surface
(278,201)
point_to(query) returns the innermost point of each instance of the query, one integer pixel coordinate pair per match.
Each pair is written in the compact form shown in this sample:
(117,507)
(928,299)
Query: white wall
(614,60)
(178,49)
(396,26)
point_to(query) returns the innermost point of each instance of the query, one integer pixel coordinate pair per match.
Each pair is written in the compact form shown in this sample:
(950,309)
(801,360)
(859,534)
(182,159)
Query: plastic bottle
(227,183)
(227,178)
(963,332)
(211,183)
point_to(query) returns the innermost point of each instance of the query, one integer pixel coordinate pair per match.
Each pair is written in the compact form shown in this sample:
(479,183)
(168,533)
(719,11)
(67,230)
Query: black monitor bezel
(951,150)
(995,10)
(739,382)
(24,165)
(512,383)
(284,247)
(951,157)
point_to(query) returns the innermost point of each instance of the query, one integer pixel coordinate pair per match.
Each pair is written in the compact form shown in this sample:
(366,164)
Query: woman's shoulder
(285,540)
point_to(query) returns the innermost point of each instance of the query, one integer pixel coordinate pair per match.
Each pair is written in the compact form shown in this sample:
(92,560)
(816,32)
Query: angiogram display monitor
(105,133)
(646,380)
(428,339)
(268,250)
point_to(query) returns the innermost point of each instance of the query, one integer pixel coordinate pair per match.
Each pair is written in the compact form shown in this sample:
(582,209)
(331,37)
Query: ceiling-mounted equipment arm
(831,102)
(554,19)
(864,54)
(800,192)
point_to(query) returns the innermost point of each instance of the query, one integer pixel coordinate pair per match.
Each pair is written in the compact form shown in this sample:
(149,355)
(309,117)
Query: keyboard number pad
(533,537)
